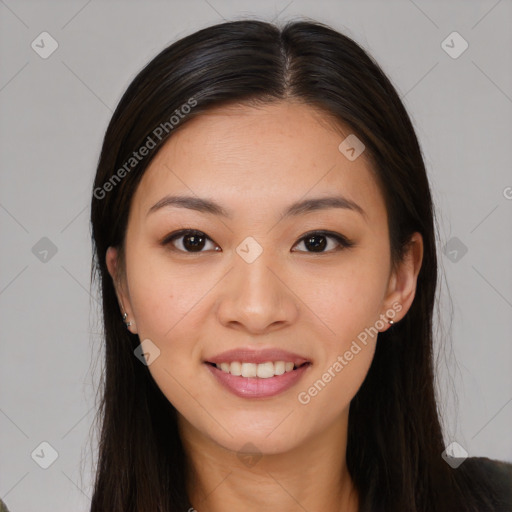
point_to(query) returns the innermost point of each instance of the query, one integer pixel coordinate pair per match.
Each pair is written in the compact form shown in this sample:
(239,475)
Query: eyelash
(344,243)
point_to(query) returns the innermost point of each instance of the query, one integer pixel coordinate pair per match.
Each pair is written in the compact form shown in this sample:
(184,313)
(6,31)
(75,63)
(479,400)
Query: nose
(257,297)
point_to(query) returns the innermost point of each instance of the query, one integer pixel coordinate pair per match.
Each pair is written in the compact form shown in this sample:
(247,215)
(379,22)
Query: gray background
(53,115)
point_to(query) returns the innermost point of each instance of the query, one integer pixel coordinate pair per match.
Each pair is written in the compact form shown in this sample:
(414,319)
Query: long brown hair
(394,434)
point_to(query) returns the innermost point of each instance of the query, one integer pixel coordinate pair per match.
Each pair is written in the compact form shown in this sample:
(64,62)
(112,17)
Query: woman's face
(255,279)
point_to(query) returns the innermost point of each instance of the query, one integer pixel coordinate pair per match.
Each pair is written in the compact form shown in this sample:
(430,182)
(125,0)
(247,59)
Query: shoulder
(490,480)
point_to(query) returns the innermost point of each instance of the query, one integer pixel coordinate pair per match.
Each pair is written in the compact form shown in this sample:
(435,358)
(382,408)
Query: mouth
(262,380)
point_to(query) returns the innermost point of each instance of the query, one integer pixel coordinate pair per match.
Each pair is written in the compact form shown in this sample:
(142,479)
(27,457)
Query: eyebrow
(298,208)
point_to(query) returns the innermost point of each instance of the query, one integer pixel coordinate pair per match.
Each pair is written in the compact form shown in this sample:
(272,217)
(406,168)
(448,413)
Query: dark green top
(488,483)
(496,475)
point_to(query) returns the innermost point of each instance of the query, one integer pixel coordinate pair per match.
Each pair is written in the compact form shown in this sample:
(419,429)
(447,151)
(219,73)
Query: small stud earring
(390,322)
(125,322)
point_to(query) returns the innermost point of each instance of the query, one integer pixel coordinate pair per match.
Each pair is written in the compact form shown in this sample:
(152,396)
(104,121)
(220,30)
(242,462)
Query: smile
(261,380)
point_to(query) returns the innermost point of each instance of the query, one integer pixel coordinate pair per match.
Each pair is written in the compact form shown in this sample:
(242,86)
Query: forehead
(252,157)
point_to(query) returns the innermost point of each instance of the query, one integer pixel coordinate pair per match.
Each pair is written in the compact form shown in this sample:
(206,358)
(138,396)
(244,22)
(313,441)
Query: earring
(390,322)
(125,322)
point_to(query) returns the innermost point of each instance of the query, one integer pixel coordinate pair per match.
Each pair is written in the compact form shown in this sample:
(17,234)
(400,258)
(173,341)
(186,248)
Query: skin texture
(193,305)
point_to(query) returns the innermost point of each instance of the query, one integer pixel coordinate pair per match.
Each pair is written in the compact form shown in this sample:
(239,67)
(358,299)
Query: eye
(316,240)
(192,240)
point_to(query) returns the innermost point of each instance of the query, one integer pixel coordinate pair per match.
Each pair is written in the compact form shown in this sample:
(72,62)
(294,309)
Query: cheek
(348,299)
(162,295)
(350,309)
(168,304)
(349,303)
(327,395)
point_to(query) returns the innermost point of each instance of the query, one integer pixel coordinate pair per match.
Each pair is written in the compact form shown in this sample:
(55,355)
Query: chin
(271,437)
(257,444)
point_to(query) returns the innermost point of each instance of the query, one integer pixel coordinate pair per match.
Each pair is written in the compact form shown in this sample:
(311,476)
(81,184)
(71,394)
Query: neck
(312,476)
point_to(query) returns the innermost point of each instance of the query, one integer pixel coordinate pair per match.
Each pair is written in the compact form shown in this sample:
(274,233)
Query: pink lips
(254,387)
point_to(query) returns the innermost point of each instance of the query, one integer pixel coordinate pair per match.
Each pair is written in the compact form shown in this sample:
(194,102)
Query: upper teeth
(262,370)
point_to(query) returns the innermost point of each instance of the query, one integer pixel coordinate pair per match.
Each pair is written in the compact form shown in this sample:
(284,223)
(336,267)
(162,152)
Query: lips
(265,385)
(254,387)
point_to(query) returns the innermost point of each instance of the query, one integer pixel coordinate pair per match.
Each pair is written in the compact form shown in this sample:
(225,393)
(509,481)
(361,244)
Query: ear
(402,283)
(113,266)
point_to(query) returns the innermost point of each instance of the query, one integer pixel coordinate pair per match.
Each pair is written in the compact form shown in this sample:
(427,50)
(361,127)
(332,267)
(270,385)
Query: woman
(264,236)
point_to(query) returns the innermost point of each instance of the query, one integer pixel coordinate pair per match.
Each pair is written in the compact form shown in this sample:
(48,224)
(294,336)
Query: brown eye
(188,240)
(317,241)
